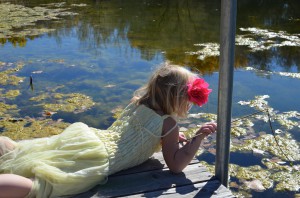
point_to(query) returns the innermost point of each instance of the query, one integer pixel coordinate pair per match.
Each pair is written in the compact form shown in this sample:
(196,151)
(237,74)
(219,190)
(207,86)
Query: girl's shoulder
(169,125)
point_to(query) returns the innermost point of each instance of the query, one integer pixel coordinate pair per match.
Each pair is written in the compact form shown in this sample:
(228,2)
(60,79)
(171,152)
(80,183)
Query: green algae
(288,120)
(39,98)
(74,102)
(7,76)
(255,173)
(238,131)
(17,16)
(257,40)
(26,128)
(10,94)
(276,166)
(208,50)
(245,174)
(79,5)
(209,117)
(286,74)
(284,178)
(267,143)
(117,112)
(276,172)
(4,108)
(287,180)
(267,39)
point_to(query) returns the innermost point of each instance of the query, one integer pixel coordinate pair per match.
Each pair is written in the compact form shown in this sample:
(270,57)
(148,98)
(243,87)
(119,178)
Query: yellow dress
(81,157)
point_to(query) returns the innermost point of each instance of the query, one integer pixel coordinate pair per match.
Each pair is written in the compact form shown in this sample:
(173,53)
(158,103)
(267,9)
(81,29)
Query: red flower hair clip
(198,91)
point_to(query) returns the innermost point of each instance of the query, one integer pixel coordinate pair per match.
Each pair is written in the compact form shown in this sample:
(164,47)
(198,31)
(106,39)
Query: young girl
(82,157)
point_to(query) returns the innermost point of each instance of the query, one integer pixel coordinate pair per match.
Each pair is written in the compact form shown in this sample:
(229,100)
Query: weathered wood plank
(156,162)
(153,178)
(124,185)
(211,189)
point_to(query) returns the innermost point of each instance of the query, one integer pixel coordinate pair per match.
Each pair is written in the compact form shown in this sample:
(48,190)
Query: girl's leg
(6,145)
(14,186)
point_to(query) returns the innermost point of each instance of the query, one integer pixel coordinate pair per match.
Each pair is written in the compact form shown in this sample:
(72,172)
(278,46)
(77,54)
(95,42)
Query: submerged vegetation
(29,127)
(14,17)
(74,102)
(7,76)
(276,171)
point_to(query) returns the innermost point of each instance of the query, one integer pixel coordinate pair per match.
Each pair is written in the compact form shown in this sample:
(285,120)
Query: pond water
(104,50)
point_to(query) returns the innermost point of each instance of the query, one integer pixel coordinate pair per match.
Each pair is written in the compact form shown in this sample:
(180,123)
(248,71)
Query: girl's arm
(176,157)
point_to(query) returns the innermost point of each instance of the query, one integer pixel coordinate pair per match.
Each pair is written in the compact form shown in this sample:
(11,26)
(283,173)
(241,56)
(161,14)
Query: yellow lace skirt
(66,164)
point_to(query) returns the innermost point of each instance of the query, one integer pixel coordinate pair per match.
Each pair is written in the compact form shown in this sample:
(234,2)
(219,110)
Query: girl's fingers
(181,137)
(208,128)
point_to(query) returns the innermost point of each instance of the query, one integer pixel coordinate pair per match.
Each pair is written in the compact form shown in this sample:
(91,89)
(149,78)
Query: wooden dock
(153,179)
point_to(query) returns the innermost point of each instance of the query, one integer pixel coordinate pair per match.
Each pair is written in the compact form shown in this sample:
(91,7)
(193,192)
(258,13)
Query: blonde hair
(166,90)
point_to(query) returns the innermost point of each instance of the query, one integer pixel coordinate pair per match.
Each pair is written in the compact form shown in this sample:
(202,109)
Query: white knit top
(133,138)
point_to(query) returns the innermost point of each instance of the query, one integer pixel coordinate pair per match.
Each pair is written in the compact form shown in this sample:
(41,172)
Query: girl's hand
(207,129)
(181,137)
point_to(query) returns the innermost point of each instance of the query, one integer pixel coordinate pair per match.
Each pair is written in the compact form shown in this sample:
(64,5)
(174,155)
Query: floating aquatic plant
(10,94)
(257,40)
(209,49)
(284,118)
(267,39)
(206,116)
(267,143)
(276,172)
(117,112)
(238,131)
(255,173)
(4,108)
(276,165)
(7,75)
(14,16)
(287,180)
(74,102)
(26,128)
(287,74)
(39,97)
(79,5)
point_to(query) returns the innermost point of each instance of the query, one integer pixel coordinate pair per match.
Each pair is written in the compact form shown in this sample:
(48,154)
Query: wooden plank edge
(211,188)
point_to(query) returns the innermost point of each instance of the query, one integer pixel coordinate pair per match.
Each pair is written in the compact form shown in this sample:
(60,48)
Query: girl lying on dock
(82,157)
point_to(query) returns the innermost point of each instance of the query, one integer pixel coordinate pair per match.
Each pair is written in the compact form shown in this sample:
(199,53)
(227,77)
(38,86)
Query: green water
(109,48)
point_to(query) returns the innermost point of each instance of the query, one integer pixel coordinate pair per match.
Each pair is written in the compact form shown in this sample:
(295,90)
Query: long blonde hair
(166,90)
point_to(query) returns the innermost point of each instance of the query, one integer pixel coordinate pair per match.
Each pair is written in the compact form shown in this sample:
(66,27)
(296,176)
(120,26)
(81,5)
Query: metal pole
(227,43)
